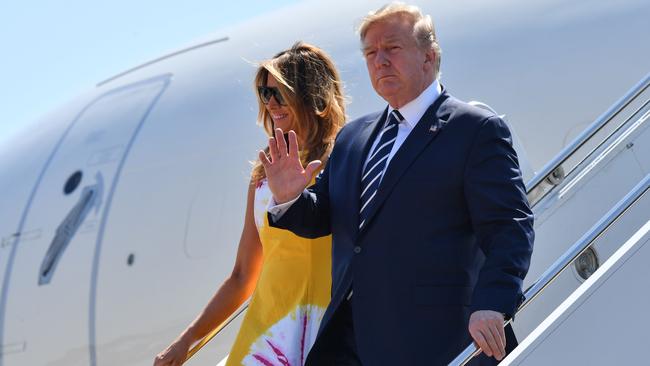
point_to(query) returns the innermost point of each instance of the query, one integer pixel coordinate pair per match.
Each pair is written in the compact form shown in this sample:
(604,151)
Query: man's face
(399,70)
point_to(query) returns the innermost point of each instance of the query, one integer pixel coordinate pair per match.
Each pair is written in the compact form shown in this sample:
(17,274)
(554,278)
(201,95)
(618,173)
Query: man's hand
(284,172)
(486,327)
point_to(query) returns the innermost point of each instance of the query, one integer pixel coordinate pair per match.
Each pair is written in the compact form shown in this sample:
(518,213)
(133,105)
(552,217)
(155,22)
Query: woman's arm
(232,293)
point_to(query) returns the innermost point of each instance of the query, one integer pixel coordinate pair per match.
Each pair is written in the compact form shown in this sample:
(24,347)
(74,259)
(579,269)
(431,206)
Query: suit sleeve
(309,216)
(501,218)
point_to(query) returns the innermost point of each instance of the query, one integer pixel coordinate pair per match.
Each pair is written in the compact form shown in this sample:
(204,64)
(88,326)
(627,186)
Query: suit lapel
(359,149)
(429,126)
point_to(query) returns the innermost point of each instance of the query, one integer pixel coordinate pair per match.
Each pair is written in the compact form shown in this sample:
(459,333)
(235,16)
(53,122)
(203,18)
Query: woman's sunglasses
(266,92)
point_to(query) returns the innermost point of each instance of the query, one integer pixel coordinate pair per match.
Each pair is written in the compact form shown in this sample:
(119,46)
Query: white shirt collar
(415,109)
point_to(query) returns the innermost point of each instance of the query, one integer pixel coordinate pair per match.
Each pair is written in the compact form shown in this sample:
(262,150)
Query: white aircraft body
(121,211)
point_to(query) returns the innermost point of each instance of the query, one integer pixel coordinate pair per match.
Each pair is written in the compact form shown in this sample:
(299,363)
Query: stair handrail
(567,258)
(208,337)
(552,172)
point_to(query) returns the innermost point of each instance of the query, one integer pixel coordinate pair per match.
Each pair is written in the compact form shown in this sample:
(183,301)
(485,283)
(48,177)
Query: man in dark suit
(432,233)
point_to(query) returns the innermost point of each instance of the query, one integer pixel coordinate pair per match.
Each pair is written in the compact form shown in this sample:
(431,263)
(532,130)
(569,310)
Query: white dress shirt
(412,113)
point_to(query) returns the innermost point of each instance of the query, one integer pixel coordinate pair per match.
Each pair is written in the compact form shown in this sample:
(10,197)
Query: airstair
(591,327)
(575,193)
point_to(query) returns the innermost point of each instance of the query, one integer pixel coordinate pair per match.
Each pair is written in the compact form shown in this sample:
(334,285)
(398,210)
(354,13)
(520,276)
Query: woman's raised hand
(285,174)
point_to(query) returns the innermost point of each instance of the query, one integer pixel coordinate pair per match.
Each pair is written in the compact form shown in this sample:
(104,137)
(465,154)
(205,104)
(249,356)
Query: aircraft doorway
(50,297)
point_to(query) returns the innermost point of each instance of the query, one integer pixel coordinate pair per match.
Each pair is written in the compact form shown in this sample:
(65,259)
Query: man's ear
(429,58)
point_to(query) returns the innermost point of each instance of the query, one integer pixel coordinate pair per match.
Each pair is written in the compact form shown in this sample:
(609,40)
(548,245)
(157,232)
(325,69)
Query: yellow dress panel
(290,298)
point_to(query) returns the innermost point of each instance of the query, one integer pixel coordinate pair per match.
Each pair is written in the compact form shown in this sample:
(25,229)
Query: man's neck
(398,102)
(415,109)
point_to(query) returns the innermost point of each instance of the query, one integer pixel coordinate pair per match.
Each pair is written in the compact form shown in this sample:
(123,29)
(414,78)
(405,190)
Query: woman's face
(281,114)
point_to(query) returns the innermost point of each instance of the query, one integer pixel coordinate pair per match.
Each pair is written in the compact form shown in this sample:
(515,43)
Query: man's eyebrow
(391,38)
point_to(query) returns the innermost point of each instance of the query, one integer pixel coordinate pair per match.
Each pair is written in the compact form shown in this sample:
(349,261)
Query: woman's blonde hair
(311,87)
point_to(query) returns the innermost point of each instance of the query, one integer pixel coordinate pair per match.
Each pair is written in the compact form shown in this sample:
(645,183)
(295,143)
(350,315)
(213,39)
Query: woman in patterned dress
(288,276)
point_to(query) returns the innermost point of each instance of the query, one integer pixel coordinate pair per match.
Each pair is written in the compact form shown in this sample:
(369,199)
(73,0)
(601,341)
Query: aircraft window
(130,259)
(73,182)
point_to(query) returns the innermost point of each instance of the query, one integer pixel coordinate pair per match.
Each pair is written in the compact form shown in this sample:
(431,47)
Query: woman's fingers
(293,145)
(273,149)
(264,159)
(312,167)
(282,144)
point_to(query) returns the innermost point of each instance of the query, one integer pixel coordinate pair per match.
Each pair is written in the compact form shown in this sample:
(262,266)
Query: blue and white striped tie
(376,166)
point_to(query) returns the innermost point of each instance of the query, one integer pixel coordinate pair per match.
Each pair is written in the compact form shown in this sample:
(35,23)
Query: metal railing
(217,330)
(553,173)
(569,256)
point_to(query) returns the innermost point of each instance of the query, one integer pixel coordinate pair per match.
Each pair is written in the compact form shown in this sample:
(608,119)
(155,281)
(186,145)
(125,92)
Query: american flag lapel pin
(433,128)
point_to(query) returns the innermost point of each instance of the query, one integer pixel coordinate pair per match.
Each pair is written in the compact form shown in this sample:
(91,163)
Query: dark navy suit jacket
(450,232)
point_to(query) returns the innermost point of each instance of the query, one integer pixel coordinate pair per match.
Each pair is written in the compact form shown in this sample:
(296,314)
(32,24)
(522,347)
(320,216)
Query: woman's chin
(283,125)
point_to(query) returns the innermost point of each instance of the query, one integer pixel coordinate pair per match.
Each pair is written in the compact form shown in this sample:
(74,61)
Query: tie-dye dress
(291,296)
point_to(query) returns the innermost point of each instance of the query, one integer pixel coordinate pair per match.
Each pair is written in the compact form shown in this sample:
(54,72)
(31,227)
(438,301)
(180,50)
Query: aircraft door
(50,298)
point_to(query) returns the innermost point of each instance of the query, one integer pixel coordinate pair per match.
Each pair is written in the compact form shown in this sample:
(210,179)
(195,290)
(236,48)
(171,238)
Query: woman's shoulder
(261,201)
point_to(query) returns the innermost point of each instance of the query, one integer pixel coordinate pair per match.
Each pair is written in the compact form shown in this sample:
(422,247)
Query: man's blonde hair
(423,29)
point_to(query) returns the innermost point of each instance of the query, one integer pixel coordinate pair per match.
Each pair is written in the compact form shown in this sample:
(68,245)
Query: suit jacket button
(357,249)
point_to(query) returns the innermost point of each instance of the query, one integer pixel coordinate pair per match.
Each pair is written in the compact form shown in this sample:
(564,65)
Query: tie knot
(395,117)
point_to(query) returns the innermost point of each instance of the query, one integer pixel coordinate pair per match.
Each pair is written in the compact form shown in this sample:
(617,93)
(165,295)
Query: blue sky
(52,51)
